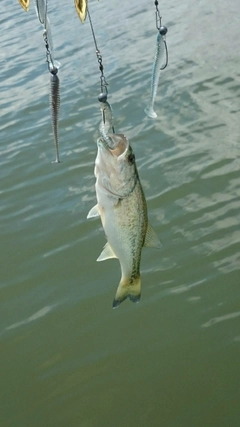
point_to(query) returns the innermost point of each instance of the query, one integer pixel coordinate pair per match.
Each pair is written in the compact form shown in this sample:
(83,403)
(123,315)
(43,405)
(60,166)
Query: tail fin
(150,112)
(128,289)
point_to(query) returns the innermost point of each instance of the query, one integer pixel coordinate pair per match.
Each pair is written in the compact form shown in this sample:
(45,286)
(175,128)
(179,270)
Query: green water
(66,358)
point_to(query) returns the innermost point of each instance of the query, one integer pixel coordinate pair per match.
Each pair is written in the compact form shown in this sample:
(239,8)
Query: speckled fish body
(122,207)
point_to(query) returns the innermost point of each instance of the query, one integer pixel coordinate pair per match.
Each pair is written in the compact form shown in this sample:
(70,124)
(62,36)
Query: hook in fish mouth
(117,145)
(120,144)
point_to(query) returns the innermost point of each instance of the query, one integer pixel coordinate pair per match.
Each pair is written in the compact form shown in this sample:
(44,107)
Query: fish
(106,124)
(161,47)
(122,207)
(25,4)
(55,106)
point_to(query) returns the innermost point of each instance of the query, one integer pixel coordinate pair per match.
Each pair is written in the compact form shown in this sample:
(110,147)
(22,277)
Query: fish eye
(131,158)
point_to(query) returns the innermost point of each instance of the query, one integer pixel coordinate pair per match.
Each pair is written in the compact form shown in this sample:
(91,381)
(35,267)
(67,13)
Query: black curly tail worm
(55,106)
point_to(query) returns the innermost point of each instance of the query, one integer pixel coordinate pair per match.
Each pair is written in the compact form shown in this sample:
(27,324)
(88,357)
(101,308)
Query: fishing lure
(158,66)
(55,105)
(81,8)
(25,4)
(106,125)
(53,66)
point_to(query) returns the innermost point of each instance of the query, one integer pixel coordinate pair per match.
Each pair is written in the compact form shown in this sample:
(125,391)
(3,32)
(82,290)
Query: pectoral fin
(94,212)
(151,238)
(106,253)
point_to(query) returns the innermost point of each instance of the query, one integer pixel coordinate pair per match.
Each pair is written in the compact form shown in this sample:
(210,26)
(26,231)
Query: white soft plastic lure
(160,55)
(106,125)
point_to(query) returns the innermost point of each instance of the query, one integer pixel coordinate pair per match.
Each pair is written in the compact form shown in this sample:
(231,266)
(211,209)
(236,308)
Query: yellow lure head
(25,4)
(81,8)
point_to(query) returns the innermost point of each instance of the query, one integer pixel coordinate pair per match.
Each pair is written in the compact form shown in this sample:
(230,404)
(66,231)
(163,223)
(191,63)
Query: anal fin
(107,253)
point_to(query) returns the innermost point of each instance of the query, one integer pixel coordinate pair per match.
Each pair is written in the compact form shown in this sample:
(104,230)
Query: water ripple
(221,319)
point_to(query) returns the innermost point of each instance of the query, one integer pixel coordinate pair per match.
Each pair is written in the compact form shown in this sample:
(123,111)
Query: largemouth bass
(122,207)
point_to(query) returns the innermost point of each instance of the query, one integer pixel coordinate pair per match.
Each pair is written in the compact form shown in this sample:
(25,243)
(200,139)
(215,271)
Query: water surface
(67,358)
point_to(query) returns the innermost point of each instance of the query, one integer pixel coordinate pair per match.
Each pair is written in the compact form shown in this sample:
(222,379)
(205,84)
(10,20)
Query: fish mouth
(120,144)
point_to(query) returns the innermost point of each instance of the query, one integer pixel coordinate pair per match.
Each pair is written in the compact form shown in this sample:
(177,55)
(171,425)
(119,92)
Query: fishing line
(103,83)
(106,125)
(163,31)
(161,54)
